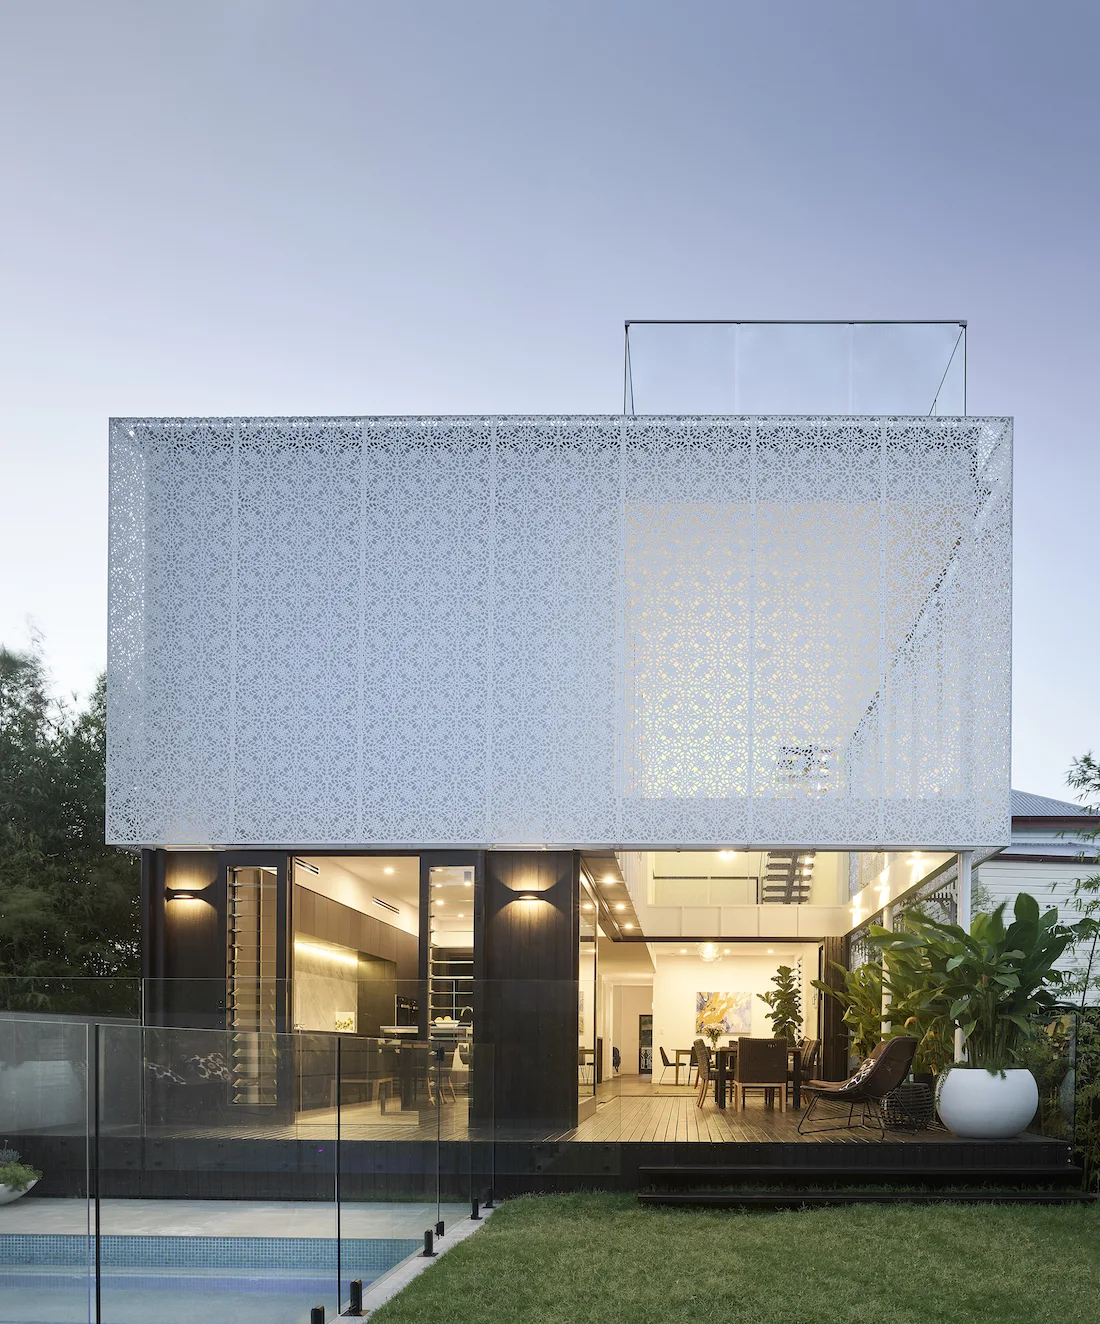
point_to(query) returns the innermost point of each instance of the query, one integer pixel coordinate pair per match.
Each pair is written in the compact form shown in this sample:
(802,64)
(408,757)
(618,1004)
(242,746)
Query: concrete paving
(225,1218)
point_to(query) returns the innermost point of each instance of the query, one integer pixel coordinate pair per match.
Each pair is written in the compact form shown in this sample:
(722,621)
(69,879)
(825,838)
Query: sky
(265,207)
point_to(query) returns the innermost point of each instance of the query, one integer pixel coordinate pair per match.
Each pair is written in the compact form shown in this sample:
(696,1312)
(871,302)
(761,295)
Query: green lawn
(591,1259)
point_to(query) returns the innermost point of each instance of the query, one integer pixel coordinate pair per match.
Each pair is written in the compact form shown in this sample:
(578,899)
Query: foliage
(14,1175)
(1084,777)
(713,1033)
(1086,1130)
(69,906)
(785,1001)
(994,982)
(861,1000)
(912,1006)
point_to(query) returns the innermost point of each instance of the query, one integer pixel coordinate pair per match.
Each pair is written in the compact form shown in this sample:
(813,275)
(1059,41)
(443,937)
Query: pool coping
(399,1277)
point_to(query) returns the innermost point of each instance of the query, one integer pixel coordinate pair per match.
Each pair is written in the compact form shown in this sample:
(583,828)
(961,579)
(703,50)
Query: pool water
(49,1279)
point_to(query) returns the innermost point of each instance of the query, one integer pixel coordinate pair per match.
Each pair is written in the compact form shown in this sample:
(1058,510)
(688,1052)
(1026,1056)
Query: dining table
(725,1061)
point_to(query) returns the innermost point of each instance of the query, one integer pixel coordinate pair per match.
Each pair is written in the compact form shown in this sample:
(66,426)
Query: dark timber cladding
(526,965)
(834,1036)
(185,927)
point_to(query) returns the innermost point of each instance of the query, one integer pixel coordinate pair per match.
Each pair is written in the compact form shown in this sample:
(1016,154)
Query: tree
(69,904)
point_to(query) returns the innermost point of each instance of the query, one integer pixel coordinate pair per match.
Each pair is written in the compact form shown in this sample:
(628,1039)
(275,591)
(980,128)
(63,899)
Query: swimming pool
(50,1279)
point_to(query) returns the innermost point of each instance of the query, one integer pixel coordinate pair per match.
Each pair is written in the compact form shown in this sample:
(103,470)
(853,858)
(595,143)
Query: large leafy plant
(997,983)
(785,1002)
(861,1000)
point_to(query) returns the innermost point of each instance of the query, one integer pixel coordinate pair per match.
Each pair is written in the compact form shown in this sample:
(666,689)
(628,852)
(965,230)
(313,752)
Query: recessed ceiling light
(725,854)
(610,878)
(683,951)
(628,926)
(621,905)
(441,903)
(726,952)
(588,905)
(468,883)
(388,869)
(460,915)
(771,951)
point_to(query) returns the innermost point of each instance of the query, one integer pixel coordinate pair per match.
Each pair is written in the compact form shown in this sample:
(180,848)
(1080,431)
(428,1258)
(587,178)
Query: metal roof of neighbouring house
(1026,805)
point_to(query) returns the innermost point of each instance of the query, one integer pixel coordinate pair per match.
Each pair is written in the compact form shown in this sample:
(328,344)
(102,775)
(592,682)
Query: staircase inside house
(787,877)
(1028,1170)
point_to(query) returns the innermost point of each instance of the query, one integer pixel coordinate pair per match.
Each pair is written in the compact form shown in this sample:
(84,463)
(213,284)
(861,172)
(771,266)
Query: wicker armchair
(877,1076)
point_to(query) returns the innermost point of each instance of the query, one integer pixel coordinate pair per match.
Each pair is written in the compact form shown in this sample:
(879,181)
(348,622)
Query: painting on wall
(580,1012)
(730,1013)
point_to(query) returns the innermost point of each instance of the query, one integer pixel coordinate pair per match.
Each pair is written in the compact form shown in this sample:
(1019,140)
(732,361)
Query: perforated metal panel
(577,630)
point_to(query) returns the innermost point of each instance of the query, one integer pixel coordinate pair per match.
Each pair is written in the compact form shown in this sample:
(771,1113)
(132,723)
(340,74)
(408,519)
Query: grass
(603,1259)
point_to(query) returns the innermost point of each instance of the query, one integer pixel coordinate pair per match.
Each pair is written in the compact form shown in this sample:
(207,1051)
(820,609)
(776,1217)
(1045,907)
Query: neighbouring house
(1054,843)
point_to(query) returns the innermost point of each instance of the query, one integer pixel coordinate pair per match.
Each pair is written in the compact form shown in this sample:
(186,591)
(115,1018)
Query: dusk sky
(258,207)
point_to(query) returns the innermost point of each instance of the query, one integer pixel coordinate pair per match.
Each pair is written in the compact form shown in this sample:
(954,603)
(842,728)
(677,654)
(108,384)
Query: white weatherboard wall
(559,630)
(1051,883)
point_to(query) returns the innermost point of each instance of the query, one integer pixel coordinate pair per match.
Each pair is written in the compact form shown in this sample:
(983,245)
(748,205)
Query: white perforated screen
(574,630)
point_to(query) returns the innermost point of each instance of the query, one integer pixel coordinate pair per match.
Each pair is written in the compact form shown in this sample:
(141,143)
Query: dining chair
(761,1064)
(702,1059)
(667,1066)
(807,1061)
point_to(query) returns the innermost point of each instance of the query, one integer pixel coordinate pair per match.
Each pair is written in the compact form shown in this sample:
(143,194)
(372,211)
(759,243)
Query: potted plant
(913,1008)
(785,1002)
(16,1178)
(995,985)
(861,1000)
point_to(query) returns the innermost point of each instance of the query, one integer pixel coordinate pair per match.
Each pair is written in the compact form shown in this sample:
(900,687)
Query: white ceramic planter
(973,1103)
(7,1195)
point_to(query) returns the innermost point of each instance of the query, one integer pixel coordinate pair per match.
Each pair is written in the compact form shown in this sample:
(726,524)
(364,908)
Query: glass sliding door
(589,1067)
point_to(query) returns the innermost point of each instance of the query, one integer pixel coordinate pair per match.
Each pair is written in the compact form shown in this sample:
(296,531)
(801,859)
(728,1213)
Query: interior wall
(680,978)
(343,886)
(326,988)
(633,1000)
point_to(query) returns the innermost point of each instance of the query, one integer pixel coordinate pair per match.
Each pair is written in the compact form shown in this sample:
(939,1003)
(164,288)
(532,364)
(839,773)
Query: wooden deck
(648,1114)
(628,1111)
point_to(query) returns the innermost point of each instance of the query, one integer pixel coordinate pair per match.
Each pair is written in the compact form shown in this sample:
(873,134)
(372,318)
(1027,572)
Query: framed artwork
(730,1012)
(580,1011)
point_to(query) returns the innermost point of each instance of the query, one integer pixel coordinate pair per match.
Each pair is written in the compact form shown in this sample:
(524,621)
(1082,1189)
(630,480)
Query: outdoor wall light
(186,893)
(527,896)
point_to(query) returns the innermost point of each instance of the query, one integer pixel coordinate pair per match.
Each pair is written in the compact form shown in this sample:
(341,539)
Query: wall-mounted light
(186,893)
(527,896)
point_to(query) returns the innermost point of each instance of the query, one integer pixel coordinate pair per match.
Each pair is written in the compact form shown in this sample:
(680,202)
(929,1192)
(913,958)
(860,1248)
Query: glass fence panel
(856,368)
(547,1132)
(217,1158)
(73,999)
(388,1169)
(47,1258)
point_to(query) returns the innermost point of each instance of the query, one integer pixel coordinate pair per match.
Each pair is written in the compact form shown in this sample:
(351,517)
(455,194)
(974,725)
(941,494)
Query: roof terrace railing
(779,367)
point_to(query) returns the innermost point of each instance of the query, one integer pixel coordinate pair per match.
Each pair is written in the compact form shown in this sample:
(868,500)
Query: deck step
(805,1199)
(748,1173)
